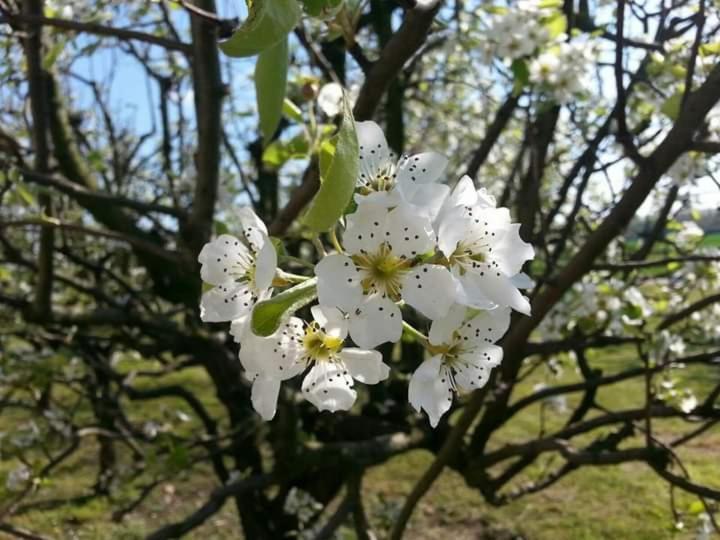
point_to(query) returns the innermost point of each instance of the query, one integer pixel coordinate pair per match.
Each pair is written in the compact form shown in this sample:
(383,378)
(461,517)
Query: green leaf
(696,508)
(52,55)
(292,111)
(268,315)
(279,152)
(671,107)
(313,7)
(521,74)
(270,84)
(268,22)
(338,173)
(556,25)
(710,49)
(25,195)
(327,153)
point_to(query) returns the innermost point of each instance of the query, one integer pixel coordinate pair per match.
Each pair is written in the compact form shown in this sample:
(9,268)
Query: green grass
(627,501)
(711,240)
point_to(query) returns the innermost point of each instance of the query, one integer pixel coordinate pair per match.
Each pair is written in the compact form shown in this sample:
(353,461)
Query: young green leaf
(268,315)
(268,22)
(292,111)
(270,84)
(671,106)
(338,173)
(556,24)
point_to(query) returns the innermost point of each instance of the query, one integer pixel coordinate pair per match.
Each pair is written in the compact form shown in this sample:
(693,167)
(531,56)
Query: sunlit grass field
(626,502)
(711,240)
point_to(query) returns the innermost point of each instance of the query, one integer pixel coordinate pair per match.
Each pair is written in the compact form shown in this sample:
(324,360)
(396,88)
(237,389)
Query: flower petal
(430,391)
(226,302)
(329,99)
(375,321)
(498,288)
(265,266)
(374,152)
(408,233)
(473,371)
(385,199)
(278,356)
(239,327)
(431,289)
(329,387)
(487,327)
(365,227)
(338,282)
(365,366)
(469,294)
(332,322)
(428,199)
(254,230)
(512,252)
(264,396)
(522,281)
(222,259)
(419,169)
(442,329)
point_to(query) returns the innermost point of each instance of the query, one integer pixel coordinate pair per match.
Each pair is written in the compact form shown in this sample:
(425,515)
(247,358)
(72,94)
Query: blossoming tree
(423,206)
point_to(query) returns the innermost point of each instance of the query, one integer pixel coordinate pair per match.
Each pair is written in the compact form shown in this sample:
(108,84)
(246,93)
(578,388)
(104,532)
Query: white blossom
(319,346)
(463,353)
(330,99)
(382,266)
(383,180)
(484,251)
(241,270)
(689,235)
(18,478)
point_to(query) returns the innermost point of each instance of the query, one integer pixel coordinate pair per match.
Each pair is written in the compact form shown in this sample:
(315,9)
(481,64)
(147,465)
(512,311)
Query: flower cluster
(534,32)
(410,243)
(562,71)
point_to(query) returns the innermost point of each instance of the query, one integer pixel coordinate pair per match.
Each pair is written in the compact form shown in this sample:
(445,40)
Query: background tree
(127,139)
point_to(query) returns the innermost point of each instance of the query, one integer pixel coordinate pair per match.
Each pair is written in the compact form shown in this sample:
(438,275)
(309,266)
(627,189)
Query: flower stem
(290,277)
(319,246)
(334,239)
(417,334)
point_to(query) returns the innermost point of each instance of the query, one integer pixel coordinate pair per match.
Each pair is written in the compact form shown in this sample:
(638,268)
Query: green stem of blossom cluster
(417,334)
(319,246)
(290,277)
(334,240)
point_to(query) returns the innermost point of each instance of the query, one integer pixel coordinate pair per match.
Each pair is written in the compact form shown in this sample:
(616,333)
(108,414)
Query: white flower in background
(384,180)
(241,270)
(689,235)
(382,267)
(18,478)
(635,298)
(688,167)
(297,346)
(666,343)
(330,99)
(705,527)
(562,71)
(463,352)
(688,403)
(151,429)
(556,404)
(484,251)
(463,198)
(25,435)
(516,35)
(713,119)
(544,69)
